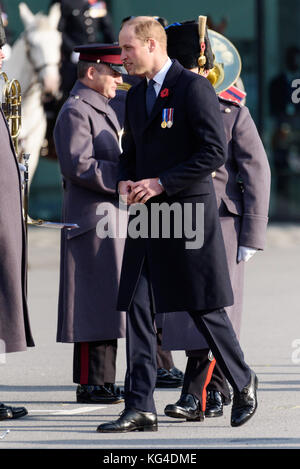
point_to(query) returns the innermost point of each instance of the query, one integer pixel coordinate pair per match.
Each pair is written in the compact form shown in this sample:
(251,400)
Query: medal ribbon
(170,115)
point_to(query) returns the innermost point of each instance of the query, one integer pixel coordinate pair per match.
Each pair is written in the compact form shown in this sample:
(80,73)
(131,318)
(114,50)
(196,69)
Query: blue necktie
(150,96)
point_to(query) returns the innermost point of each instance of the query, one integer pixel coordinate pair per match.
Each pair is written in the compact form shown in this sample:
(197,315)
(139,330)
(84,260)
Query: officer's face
(2,57)
(135,53)
(106,80)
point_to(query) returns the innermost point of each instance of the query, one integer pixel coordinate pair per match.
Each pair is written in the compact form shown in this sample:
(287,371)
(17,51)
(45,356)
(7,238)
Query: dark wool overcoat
(87,145)
(15,334)
(183,156)
(242,188)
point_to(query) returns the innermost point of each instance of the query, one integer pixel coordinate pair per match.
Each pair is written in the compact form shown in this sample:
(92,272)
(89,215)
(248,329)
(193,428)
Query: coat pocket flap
(234,206)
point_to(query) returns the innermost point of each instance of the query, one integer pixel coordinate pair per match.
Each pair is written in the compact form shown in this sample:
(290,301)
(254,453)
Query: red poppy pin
(164,93)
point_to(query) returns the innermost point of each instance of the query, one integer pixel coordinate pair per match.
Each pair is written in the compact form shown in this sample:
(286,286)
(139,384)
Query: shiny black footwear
(187,407)
(168,379)
(87,394)
(244,403)
(8,413)
(214,404)
(114,389)
(131,420)
(174,371)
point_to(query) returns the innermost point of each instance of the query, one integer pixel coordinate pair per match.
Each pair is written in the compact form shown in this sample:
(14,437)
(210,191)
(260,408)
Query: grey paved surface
(42,378)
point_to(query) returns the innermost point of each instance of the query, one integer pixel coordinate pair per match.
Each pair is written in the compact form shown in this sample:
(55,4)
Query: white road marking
(79,410)
(4,434)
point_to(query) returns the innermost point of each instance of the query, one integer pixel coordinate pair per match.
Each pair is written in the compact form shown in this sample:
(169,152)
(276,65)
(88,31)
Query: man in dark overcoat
(86,137)
(15,333)
(168,375)
(173,140)
(242,188)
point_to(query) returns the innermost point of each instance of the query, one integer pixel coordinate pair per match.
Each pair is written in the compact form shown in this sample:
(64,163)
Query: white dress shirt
(160,76)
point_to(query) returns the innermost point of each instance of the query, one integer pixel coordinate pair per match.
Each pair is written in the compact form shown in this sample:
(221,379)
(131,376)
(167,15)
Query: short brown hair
(147,27)
(82,68)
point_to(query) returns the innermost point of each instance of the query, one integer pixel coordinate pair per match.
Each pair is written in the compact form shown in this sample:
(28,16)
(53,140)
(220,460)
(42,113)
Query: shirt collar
(161,75)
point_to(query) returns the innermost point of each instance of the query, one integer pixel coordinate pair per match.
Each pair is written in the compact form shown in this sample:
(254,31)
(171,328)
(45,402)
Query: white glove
(245,253)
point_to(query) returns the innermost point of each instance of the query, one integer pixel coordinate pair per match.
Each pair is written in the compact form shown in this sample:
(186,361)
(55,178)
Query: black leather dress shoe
(168,379)
(174,371)
(114,389)
(107,394)
(214,404)
(187,407)
(7,412)
(244,403)
(131,420)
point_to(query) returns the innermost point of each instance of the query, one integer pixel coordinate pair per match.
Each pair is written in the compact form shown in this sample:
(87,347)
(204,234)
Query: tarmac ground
(41,378)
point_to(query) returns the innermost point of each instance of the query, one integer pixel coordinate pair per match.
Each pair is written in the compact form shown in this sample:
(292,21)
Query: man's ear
(90,73)
(151,44)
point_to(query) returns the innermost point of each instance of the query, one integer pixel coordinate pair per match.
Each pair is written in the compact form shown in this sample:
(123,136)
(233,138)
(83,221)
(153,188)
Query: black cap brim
(117,68)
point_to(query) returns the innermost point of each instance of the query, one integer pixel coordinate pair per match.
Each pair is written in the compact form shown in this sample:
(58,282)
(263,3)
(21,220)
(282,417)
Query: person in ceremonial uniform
(86,137)
(15,332)
(173,140)
(82,22)
(242,189)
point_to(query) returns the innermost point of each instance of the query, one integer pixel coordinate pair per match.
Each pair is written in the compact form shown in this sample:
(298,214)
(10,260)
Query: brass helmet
(227,62)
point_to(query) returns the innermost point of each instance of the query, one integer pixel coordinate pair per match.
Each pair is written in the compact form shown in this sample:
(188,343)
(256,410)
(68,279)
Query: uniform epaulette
(229,101)
(233,93)
(124,86)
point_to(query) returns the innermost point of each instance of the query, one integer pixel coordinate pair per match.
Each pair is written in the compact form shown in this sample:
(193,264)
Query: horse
(34,62)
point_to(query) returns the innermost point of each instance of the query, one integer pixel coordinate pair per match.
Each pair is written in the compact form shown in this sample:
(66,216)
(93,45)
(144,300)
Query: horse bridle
(37,68)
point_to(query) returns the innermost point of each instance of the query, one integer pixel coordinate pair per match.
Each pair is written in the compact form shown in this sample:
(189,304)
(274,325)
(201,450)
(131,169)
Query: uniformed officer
(243,211)
(82,22)
(15,334)
(86,137)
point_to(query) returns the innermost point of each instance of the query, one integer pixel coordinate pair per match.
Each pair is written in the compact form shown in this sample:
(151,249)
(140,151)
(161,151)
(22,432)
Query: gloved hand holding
(245,253)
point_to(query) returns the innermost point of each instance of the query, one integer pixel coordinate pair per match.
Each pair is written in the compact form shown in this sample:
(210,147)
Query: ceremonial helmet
(222,58)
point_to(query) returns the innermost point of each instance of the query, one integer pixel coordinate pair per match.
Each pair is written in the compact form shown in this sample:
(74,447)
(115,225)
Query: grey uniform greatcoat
(86,140)
(15,334)
(243,212)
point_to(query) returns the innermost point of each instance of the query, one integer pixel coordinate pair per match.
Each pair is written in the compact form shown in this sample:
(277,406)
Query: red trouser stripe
(208,378)
(84,363)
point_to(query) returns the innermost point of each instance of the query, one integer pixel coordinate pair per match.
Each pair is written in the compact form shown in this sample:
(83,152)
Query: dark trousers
(94,363)
(220,336)
(219,383)
(197,376)
(141,347)
(198,371)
